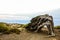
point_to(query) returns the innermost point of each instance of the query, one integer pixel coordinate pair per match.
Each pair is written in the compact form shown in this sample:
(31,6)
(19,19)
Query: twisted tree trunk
(36,22)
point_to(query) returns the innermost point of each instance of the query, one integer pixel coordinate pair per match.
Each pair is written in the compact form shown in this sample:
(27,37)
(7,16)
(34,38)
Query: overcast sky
(27,6)
(22,9)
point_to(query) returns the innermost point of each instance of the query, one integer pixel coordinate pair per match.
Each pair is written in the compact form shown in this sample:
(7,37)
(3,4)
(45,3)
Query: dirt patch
(24,35)
(43,35)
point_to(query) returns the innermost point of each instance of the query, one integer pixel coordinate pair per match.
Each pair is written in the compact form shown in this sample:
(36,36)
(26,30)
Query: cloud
(27,6)
(26,9)
(12,17)
(33,6)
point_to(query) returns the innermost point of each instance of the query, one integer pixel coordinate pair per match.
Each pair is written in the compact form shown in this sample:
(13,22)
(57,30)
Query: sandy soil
(24,35)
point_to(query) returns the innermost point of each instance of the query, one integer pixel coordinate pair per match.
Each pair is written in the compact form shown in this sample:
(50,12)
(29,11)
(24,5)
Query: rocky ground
(24,35)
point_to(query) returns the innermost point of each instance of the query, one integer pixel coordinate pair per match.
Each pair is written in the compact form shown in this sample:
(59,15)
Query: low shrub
(7,29)
(57,27)
(15,31)
(25,25)
(7,32)
(3,27)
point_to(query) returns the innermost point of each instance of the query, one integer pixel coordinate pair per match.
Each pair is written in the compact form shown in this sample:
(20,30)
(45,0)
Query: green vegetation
(25,25)
(3,27)
(14,28)
(17,31)
(57,27)
(7,28)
